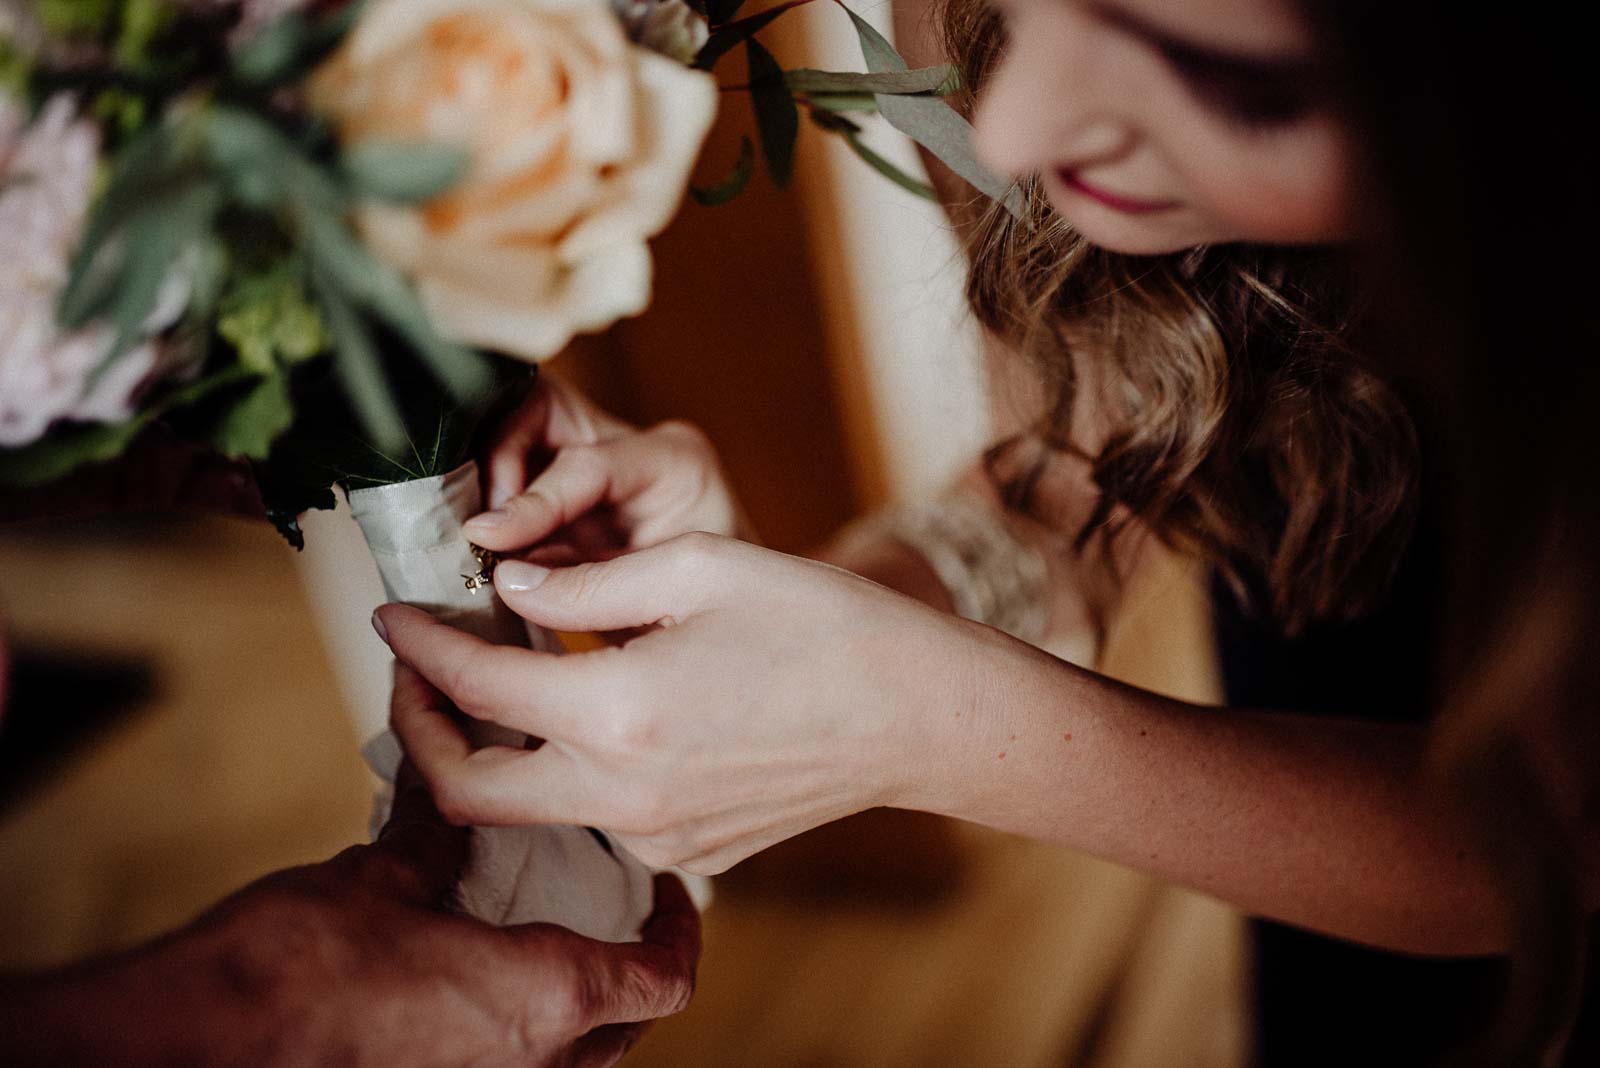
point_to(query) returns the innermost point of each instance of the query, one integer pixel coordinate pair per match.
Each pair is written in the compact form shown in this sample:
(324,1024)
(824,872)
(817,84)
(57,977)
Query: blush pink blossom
(47,173)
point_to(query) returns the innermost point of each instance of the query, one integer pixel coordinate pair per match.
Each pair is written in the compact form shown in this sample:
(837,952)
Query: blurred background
(190,694)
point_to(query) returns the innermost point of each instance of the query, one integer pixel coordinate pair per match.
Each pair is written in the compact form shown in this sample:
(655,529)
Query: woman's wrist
(972,727)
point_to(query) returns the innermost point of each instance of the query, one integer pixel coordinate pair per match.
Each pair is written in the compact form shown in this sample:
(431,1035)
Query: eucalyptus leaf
(360,370)
(725,39)
(403,172)
(272,54)
(62,450)
(157,237)
(381,290)
(864,103)
(932,123)
(941,79)
(777,119)
(141,169)
(249,428)
(888,169)
(734,184)
(252,154)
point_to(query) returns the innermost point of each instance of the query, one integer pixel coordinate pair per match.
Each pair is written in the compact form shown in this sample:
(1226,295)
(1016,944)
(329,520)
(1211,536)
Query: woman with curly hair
(1304,286)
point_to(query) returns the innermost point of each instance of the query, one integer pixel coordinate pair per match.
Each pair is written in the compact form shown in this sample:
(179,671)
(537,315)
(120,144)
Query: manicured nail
(518,575)
(488,520)
(377,625)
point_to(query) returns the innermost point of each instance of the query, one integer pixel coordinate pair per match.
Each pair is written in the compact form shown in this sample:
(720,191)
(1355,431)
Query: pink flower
(47,172)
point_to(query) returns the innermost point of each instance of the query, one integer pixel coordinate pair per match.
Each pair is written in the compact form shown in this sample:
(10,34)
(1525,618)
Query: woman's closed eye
(1254,95)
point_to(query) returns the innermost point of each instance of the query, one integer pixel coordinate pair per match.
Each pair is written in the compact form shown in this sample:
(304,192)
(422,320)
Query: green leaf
(66,448)
(888,169)
(938,80)
(148,162)
(348,267)
(734,184)
(725,39)
(777,119)
(62,450)
(272,54)
(269,318)
(932,123)
(251,426)
(360,370)
(156,237)
(71,18)
(142,22)
(843,102)
(403,172)
(253,155)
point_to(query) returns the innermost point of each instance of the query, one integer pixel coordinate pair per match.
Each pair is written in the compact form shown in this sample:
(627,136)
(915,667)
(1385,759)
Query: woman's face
(1159,125)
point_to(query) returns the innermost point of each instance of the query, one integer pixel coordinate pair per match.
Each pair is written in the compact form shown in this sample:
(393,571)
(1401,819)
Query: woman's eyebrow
(1196,54)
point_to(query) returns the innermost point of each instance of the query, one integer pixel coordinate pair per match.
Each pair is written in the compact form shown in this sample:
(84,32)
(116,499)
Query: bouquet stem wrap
(571,876)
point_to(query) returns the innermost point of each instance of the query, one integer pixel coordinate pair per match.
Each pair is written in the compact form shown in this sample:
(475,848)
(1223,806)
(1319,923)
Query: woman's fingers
(579,479)
(506,466)
(663,584)
(541,694)
(553,416)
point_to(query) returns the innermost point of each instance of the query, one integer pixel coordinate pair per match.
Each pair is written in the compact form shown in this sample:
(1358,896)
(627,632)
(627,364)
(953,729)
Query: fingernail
(377,625)
(518,575)
(488,520)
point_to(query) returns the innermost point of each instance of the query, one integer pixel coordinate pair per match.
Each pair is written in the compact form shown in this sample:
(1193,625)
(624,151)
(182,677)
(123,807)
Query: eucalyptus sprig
(912,101)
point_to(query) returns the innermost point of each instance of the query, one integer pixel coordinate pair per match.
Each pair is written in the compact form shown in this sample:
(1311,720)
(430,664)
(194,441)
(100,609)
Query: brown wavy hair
(1252,426)
(1245,424)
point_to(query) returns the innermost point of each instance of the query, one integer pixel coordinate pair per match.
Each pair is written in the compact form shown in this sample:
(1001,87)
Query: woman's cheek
(1294,191)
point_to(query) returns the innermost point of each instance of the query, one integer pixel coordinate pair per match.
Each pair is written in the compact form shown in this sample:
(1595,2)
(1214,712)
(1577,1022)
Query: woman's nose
(1049,103)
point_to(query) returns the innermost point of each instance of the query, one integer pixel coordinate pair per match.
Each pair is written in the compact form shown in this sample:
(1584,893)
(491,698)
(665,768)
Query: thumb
(664,584)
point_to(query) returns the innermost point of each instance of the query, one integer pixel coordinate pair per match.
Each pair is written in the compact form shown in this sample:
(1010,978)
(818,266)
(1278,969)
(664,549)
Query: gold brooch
(484,576)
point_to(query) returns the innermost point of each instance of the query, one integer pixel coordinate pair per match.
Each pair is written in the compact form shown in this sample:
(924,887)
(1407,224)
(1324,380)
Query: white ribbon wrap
(570,876)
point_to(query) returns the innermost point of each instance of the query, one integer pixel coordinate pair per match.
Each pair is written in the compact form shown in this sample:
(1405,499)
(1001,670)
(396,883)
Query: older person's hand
(352,961)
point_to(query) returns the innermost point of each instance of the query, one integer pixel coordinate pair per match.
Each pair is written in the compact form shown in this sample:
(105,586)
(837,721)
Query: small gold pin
(484,576)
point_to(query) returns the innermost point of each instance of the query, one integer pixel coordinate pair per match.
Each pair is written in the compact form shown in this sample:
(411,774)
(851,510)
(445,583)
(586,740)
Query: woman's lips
(1127,205)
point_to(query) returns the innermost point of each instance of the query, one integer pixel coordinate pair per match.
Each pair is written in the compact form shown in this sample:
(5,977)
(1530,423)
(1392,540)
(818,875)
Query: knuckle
(631,731)
(706,865)
(585,460)
(695,553)
(573,1000)
(648,814)
(465,685)
(685,435)
(533,504)
(452,801)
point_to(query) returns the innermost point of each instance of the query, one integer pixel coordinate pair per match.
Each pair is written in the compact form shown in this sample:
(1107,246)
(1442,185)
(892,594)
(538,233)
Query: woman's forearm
(1318,822)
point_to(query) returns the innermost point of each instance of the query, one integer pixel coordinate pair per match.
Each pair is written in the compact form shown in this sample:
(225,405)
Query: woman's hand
(771,695)
(599,487)
(351,961)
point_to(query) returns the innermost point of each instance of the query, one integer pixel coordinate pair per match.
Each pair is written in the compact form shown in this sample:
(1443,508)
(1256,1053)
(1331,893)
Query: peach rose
(580,146)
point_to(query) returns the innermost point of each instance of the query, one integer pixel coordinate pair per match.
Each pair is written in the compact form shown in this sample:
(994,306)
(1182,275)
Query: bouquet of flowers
(314,234)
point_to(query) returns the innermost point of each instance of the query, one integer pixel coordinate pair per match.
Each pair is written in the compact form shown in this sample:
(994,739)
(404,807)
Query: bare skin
(758,695)
(352,961)
(762,694)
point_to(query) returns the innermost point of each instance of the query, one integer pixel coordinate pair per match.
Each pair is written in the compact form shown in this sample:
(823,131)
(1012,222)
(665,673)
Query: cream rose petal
(681,105)
(546,236)
(605,288)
